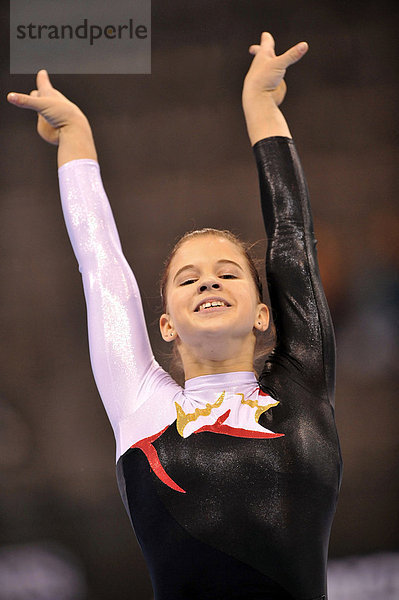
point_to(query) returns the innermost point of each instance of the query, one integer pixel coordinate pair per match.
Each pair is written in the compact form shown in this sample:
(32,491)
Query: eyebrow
(219,262)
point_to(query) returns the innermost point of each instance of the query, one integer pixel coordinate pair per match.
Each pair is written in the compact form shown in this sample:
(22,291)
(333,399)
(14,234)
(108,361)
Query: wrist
(76,125)
(254,94)
(259,103)
(263,117)
(76,140)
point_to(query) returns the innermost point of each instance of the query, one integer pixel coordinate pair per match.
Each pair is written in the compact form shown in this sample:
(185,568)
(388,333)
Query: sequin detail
(184,418)
(255,404)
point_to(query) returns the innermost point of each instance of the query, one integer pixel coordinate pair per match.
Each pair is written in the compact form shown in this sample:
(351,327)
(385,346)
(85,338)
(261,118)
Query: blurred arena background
(175,155)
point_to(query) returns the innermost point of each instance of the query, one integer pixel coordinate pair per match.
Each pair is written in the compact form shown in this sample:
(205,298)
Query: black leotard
(226,511)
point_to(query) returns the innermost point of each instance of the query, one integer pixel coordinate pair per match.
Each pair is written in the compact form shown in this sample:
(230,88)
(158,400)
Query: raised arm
(305,350)
(122,360)
(264,88)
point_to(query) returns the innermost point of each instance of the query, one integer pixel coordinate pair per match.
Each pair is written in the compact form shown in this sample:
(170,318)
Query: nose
(209,284)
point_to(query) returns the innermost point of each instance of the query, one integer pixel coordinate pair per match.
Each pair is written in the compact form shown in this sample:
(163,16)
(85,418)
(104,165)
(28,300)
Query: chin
(219,333)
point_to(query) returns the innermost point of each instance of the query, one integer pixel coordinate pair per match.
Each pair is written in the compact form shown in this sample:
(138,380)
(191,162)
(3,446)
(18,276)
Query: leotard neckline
(220,379)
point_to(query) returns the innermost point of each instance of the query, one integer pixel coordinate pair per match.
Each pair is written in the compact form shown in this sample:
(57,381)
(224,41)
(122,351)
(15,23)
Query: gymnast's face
(211,295)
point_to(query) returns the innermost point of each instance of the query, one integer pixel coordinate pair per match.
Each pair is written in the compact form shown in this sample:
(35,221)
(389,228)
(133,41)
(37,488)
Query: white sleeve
(124,367)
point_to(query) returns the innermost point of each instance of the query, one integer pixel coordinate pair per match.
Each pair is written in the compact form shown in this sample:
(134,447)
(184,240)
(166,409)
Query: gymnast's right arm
(123,364)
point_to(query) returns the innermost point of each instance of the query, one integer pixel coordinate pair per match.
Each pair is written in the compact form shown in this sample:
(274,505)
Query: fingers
(254,49)
(266,39)
(31,101)
(285,60)
(36,99)
(266,43)
(293,55)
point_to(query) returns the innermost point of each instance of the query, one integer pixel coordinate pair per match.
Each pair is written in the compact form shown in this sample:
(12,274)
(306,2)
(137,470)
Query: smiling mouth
(211,305)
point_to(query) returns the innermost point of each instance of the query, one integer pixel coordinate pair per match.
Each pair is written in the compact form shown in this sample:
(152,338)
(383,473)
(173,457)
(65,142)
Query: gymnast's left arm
(305,349)
(123,364)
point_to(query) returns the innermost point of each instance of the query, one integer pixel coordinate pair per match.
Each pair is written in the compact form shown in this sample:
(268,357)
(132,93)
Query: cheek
(176,301)
(249,296)
(168,298)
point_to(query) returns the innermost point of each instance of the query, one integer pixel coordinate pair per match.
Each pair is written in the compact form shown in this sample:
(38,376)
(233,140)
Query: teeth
(210,304)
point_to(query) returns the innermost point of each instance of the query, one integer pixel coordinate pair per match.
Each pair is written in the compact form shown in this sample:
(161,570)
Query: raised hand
(60,121)
(53,108)
(264,88)
(266,73)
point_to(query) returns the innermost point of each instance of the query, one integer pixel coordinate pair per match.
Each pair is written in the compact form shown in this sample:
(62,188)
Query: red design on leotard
(219,427)
(262,393)
(152,456)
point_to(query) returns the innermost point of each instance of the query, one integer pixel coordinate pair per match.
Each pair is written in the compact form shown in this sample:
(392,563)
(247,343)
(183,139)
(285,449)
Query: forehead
(198,250)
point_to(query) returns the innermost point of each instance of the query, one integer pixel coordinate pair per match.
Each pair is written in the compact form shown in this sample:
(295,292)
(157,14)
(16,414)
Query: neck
(210,360)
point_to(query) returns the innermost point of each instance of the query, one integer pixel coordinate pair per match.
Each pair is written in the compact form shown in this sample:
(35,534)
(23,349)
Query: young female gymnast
(231,482)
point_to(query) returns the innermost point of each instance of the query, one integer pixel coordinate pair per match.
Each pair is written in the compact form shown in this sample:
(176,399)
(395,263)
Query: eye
(188,281)
(228,276)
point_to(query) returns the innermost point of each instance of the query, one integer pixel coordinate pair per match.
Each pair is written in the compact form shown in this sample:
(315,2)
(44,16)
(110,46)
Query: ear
(262,318)
(166,327)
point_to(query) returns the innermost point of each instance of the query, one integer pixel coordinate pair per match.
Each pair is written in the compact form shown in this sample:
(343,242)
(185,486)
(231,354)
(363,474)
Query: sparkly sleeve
(305,350)
(124,367)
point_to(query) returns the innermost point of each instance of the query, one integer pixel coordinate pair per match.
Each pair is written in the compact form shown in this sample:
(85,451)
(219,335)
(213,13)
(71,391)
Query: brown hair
(264,341)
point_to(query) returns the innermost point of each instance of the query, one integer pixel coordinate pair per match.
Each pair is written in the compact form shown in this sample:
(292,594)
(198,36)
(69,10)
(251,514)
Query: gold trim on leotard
(255,404)
(183,419)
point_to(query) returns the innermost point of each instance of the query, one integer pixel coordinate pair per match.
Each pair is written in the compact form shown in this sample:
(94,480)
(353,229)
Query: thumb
(293,54)
(25,101)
